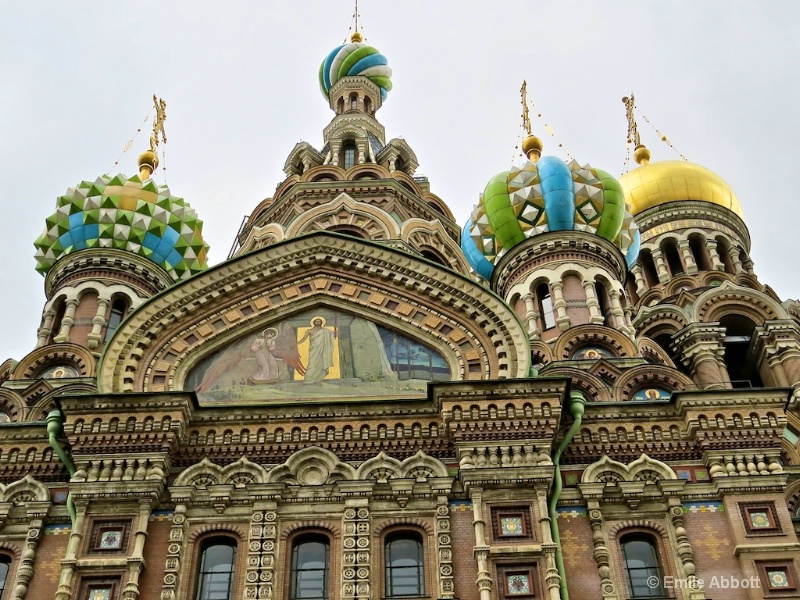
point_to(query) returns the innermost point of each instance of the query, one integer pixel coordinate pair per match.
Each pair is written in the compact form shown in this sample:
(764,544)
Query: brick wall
(47,568)
(465,568)
(583,581)
(155,555)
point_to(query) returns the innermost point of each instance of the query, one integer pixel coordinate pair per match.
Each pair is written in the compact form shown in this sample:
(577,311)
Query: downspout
(55,427)
(577,405)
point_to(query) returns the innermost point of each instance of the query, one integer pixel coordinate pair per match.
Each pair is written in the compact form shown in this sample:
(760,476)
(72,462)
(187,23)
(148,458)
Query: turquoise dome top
(355,58)
(549,195)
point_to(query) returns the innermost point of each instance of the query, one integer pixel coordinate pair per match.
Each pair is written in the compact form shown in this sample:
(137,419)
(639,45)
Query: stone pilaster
(37,512)
(172,567)
(261,548)
(444,550)
(67,320)
(700,347)
(356,526)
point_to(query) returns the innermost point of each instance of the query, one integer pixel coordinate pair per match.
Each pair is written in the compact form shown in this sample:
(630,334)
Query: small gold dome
(148,158)
(641,155)
(654,184)
(356,37)
(532,145)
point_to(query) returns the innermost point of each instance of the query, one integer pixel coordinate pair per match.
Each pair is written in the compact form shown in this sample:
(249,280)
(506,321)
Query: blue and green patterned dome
(126,214)
(549,195)
(355,58)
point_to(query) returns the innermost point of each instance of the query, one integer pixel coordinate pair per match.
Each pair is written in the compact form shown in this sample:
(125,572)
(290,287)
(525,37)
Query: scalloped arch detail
(715,303)
(78,356)
(616,342)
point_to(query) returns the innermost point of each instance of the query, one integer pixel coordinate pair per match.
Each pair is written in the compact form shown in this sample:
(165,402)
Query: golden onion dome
(655,184)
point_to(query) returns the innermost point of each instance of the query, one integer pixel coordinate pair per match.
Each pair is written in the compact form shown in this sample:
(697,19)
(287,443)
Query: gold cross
(526,121)
(633,131)
(158,123)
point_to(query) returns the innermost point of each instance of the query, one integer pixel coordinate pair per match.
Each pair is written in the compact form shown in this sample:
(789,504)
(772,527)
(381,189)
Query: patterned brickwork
(155,553)
(47,567)
(712,539)
(463,560)
(576,540)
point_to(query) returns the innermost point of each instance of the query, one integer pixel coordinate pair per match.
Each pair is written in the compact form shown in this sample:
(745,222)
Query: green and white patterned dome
(126,214)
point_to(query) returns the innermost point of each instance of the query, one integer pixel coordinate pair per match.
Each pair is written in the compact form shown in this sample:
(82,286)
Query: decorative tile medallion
(520,583)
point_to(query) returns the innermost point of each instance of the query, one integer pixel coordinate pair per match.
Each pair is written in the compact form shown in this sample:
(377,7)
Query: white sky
(240,79)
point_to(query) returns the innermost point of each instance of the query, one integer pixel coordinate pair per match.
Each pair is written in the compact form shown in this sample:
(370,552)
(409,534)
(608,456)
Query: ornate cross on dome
(526,120)
(633,131)
(158,123)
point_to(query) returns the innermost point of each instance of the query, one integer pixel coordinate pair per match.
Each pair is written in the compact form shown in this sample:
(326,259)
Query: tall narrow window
(602,301)
(545,306)
(56,326)
(405,571)
(670,249)
(349,154)
(118,308)
(645,578)
(215,576)
(367,105)
(353,101)
(5,565)
(310,566)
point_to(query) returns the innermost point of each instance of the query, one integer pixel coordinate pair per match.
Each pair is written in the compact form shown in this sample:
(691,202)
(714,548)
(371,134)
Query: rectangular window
(777,576)
(99,589)
(517,581)
(109,537)
(512,522)
(760,518)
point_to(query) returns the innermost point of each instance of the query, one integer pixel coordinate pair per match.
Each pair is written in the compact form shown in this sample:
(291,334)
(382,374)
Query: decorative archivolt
(584,335)
(206,473)
(730,298)
(655,320)
(382,468)
(159,342)
(12,404)
(636,378)
(23,491)
(653,352)
(609,471)
(344,211)
(73,354)
(591,385)
(419,234)
(310,466)
(258,237)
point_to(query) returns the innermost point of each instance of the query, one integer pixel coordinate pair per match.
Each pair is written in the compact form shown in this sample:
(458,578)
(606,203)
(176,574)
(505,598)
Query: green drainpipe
(577,405)
(55,427)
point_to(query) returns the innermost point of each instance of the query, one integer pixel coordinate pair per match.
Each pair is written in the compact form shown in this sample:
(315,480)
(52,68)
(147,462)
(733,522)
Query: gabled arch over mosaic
(159,344)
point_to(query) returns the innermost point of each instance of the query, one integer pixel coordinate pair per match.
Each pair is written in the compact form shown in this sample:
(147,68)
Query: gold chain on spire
(357,35)
(661,136)
(640,153)
(532,145)
(129,143)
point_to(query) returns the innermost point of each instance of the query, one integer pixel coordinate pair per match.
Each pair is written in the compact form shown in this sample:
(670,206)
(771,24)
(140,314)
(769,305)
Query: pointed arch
(344,210)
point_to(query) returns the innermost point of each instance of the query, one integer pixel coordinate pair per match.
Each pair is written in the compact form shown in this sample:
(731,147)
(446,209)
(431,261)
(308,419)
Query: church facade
(583,392)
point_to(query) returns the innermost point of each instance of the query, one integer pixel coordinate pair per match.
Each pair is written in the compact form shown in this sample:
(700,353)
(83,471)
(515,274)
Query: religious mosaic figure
(320,350)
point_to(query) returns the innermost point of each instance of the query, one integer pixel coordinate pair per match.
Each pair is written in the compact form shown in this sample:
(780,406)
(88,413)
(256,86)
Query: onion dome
(126,214)
(548,195)
(355,58)
(654,184)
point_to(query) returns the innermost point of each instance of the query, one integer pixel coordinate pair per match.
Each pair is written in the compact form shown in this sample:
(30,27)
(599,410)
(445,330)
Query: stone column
(713,255)
(661,265)
(593,495)
(688,257)
(618,315)
(64,590)
(356,555)
(532,317)
(172,568)
(672,490)
(336,148)
(67,320)
(700,346)
(444,550)
(98,321)
(778,344)
(733,253)
(481,550)
(136,559)
(551,577)
(560,305)
(638,276)
(259,578)
(592,304)
(43,334)
(37,511)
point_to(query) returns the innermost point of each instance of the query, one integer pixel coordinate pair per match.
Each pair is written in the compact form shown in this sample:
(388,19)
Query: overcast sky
(240,80)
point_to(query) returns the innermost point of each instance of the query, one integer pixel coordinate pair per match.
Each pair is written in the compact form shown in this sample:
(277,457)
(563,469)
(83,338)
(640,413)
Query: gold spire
(356,37)
(531,145)
(640,153)
(148,160)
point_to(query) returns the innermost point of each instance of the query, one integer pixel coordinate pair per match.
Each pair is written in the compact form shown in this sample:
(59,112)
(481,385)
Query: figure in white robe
(320,350)
(263,348)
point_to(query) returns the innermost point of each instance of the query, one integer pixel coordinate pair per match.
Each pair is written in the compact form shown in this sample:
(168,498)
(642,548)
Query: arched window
(349,149)
(59,316)
(367,105)
(698,248)
(340,106)
(645,579)
(649,268)
(670,249)
(602,302)
(545,306)
(741,368)
(353,101)
(310,566)
(404,560)
(215,574)
(118,308)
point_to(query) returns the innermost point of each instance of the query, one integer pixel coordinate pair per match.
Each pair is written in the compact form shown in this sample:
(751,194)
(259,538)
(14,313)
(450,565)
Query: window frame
(299,540)
(764,567)
(388,577)
(199,572)
(746,508)
(524,512)
(7,560)
(92,584)
(654,540)
(508,569)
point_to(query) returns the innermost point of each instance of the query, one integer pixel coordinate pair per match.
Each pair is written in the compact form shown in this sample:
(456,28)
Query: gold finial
(531,145)
(640,152)
(148,160)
